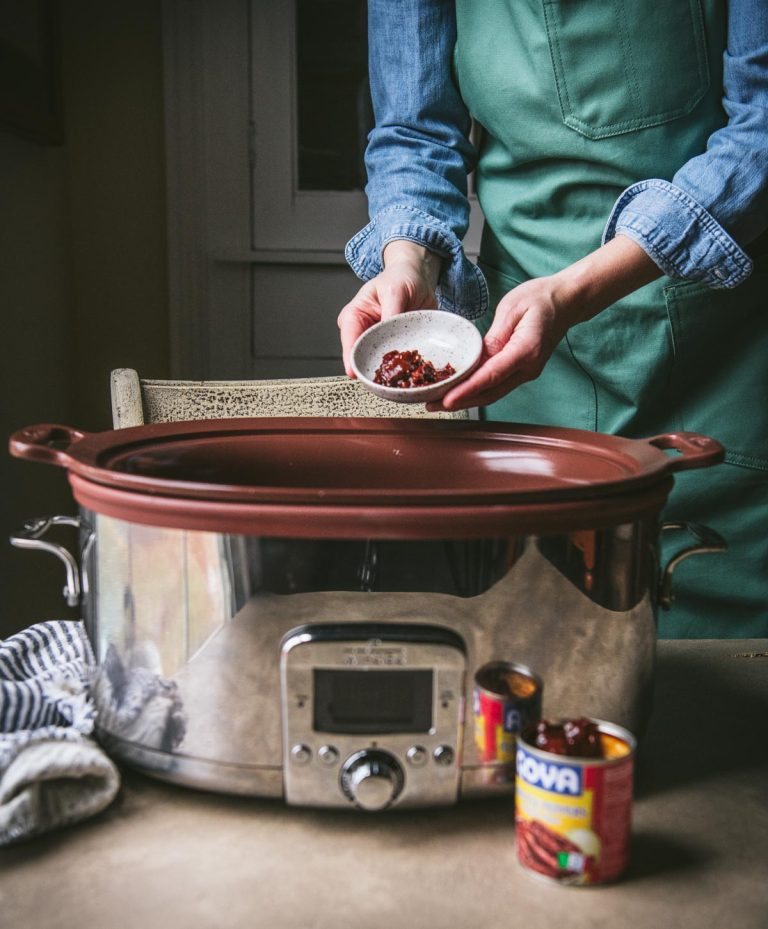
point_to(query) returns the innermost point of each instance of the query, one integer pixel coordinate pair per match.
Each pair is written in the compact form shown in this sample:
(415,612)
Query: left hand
(531,319)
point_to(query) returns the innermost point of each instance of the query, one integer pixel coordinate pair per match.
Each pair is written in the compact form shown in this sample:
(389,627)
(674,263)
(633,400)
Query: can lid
(509,679)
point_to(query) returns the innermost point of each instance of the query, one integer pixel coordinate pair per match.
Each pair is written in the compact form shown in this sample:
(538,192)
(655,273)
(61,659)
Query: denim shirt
(694,227)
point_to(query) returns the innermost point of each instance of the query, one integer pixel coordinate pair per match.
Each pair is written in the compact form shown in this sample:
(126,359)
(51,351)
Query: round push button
(417,755)
(328,754)
(444,755)
(301,754)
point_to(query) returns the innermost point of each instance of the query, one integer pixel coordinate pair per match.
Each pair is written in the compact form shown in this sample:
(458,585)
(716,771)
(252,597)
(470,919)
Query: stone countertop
(164,856)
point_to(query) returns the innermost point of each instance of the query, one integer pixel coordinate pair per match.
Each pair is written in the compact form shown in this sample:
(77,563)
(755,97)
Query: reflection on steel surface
(136,703)
(207,605)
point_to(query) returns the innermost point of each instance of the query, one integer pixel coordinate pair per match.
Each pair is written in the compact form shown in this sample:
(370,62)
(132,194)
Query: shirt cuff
(682,238)
(461,289)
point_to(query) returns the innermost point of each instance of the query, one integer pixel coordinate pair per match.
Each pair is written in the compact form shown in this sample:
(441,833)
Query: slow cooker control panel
(372,715)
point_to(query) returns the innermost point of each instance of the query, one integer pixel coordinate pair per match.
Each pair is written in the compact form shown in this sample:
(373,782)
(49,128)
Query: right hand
(407,282)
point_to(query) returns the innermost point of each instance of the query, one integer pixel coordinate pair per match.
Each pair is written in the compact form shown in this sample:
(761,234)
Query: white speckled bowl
(440,337)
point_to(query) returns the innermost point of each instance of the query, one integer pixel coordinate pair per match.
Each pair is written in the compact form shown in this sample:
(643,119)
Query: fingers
(353,320)
(390,293)
(520,360)
(506,365)
(450,404)
(373,303)
(467,399)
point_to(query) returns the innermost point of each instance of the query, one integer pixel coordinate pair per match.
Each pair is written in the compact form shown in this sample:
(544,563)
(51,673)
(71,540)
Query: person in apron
(622,169)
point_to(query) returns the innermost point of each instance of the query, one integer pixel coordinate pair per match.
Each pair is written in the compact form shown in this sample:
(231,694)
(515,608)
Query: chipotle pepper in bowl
(409,369)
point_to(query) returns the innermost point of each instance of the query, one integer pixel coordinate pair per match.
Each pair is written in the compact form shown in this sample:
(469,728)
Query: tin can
(507,699)
(573,815)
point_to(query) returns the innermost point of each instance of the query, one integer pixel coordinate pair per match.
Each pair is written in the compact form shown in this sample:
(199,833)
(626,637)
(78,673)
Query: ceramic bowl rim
(414,394)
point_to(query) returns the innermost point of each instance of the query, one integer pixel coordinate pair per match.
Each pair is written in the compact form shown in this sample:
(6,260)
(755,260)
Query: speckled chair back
(137,400)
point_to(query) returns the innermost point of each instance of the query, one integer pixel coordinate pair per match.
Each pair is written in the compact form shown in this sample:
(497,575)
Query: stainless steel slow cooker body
(328,654)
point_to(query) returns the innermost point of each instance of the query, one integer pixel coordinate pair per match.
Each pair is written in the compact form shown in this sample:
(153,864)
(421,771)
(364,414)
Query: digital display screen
(376,702)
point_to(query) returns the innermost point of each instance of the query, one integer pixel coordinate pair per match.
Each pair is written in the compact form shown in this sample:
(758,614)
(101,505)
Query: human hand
(531,319)
(529,322)
(407,282)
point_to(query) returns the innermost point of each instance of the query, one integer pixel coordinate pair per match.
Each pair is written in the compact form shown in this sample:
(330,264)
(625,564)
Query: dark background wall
(83,283)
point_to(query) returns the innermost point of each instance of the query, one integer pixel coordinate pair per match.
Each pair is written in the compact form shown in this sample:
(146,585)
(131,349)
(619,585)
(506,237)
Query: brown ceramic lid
(192,474)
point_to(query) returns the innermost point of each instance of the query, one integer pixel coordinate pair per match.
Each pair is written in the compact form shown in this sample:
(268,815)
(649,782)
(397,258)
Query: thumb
(504,323)
(394,299)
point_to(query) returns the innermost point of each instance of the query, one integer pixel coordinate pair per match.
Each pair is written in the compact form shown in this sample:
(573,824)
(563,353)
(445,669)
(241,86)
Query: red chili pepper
(576,737)
(409,369)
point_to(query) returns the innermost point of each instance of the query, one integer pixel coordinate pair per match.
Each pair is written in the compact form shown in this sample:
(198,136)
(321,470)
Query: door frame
(232,203)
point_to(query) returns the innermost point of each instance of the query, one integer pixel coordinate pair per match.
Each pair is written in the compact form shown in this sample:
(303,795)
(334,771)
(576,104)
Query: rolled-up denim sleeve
(419,154)
(461,289)
(696,226)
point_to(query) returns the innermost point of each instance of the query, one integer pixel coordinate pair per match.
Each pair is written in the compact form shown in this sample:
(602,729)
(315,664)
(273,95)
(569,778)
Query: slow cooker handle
(696,451)
(705,540)
(47,442)
(30,537)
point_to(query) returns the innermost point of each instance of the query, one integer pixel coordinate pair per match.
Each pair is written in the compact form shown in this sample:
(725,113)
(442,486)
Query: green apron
(577,100)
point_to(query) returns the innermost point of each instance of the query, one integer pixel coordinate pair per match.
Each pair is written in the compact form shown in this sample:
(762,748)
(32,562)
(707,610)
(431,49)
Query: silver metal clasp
(31,537)
(705,540)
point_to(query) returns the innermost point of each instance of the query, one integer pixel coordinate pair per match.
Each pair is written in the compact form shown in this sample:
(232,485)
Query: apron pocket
(720,379)
(620,66)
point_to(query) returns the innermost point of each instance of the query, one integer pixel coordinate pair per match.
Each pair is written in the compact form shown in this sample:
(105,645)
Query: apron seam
(628,62)
(589,377)
(746,461)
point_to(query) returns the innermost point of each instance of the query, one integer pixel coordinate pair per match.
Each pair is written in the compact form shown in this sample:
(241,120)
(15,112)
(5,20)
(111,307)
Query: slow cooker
(299,608)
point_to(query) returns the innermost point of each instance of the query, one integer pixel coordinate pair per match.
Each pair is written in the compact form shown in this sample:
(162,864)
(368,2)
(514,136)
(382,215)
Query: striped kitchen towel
(51,772)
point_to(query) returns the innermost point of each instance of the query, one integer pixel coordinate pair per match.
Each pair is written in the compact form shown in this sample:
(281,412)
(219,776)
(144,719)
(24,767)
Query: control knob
(372,779)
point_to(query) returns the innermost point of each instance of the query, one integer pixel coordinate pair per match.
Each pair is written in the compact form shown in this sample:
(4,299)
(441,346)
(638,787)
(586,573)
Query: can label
(506,699)
(572,816)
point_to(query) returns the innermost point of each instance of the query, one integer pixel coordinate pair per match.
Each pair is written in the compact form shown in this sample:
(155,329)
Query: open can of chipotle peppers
(573,800)
(507,699)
